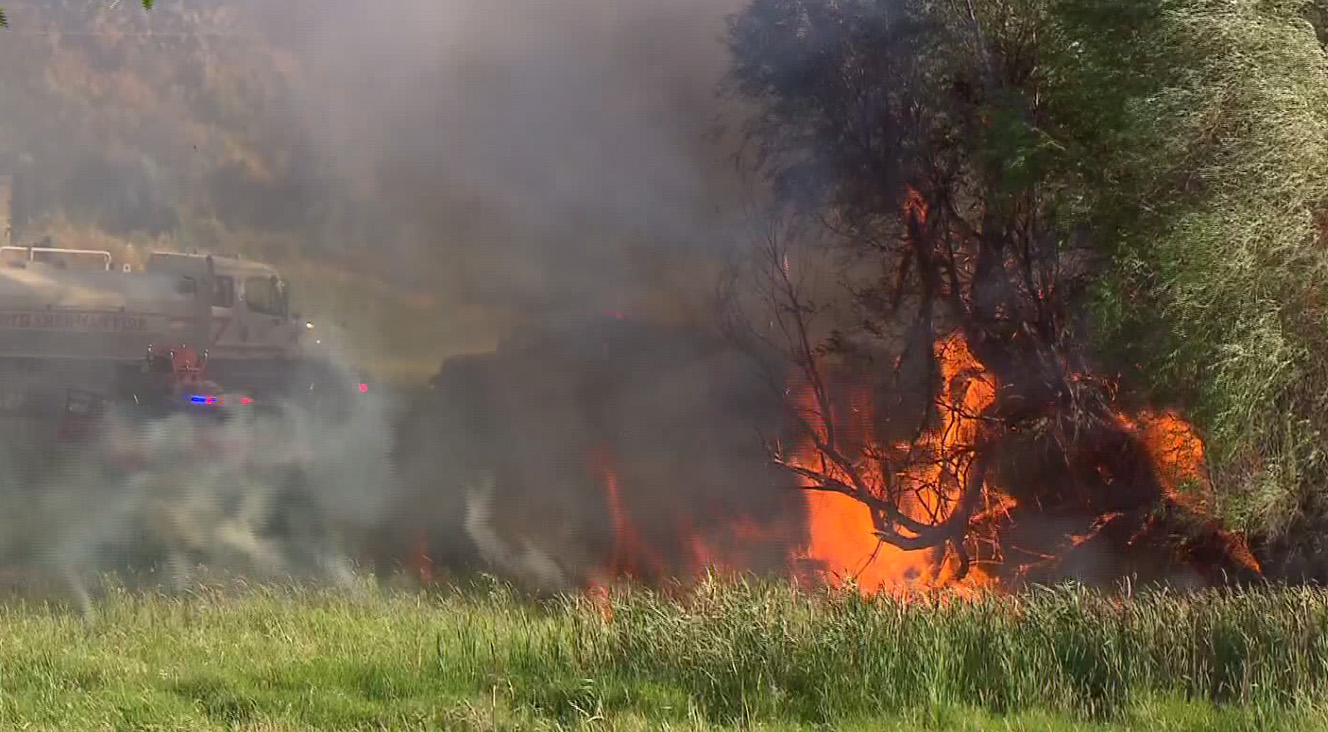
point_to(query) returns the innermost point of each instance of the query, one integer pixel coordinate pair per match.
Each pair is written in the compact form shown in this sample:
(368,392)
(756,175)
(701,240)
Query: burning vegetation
(648,493)
(1036,476)
(984,454)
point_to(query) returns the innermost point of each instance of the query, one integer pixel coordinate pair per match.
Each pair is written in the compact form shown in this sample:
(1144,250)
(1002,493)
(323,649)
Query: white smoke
(521,557)
(272,495)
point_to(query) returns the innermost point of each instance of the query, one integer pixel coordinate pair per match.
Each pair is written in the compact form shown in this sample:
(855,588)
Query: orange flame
(421,564)
(695,555)
(631,557)
(842,535)
(1178,456)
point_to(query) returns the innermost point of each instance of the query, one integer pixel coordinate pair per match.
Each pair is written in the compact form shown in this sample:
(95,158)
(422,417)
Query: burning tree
(950,149)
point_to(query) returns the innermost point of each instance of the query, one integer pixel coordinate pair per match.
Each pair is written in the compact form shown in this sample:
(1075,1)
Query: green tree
(1219,266)
(1095,179)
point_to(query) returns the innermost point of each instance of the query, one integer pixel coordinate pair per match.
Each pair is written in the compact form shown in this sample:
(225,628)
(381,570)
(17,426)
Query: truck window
(264,296)
(223,294)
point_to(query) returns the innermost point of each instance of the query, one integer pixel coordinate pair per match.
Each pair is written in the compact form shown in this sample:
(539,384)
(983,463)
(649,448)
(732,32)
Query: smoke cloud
(555,162)
(534,155)
(563,163)
(519,157)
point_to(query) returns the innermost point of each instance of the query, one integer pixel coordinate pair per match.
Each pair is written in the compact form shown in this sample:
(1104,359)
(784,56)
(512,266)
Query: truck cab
(251,315)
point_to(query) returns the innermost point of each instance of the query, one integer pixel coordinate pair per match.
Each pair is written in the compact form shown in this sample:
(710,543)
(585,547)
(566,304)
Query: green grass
(724,656)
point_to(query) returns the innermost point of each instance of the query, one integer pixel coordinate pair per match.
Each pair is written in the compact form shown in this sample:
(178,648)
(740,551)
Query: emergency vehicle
(76,319)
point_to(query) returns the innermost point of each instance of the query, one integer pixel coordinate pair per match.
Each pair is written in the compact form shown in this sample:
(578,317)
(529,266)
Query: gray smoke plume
(559,161)
(534,155)
(520,155)
(551,161)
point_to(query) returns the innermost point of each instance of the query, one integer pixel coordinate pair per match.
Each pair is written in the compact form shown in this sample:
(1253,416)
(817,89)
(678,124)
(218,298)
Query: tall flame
(631,555)
(842,535)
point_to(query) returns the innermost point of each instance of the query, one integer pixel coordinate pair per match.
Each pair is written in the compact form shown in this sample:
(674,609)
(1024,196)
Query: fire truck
(76,319)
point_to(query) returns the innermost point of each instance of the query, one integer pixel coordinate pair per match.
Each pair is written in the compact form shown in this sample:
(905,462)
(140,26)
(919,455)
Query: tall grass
(723,654)
(769,651)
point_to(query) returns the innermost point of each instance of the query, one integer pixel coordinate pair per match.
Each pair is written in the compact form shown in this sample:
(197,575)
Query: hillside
(175,130)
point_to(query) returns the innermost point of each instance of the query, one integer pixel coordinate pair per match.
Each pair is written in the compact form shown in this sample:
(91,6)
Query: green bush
(1221,264)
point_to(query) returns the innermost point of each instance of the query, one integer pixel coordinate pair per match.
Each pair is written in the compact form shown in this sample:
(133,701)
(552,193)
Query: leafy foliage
(1220,268)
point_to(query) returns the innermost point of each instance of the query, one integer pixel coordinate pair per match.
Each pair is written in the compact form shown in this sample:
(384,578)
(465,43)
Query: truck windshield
(264,295)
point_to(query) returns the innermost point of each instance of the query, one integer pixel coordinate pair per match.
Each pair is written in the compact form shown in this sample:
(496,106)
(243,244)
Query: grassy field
(722,657)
